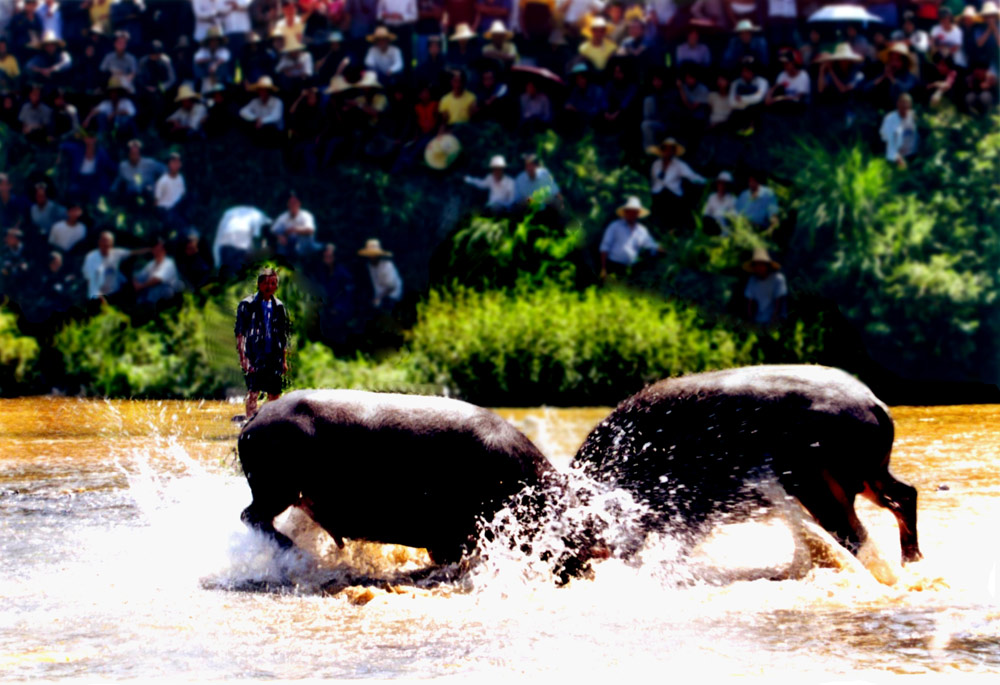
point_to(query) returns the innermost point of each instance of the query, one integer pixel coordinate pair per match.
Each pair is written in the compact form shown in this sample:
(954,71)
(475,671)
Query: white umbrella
(838,13)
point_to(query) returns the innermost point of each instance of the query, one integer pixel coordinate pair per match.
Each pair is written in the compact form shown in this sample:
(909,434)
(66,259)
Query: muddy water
(123,557)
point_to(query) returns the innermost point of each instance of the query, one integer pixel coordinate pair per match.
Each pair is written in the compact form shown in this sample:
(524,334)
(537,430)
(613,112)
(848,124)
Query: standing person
(899,131)
(262,333)
(500,185)
(169,194)
(720,206)
(766,291)
(625,238)
(667,176)
(387,285)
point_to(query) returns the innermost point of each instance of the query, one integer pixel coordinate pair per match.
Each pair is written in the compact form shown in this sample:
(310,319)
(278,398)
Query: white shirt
(206,56)
(101,273)
(191,119)
(623,243)
(108,109)
(670,178)
(237,228)
(388,62)
(206,15)
(899,134)
(64,236)
(298,65)
(386,281)
(664,9)
(406,8)
(236,20)
(952,40)
(270,113)
(576,10)
(165,272)
(168,191)
(501,192)
(720,207)
(795,85)
(301,220)
(782,8)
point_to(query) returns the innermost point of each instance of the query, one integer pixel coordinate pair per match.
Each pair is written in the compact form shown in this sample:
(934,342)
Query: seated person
(213,62)
(51,66)
(746,43)
(625,239)
(458,106)
(599,48)
(157,280)
(264,115)
(137,174)
(500,185)
(792,87)
(758,204)
(384,58)
(187,120)
(116,113)
(501,46)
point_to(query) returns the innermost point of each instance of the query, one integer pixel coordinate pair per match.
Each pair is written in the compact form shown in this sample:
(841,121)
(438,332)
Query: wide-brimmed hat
(745,25)
(186,92)
(498,162)
(264,82)
(292,44)
(990,9)
(724,177)
(598,23)
(970,13)
(463,32)
(666,142)
(214,33)
(338,84)
(900,49)
(843,52)
(632,204)
(441,151)
(760,254)
(381,33)
(497,28)
(373,248)
(48,37)
(369,79)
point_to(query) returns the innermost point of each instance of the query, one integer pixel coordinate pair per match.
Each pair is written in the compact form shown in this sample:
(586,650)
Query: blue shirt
(758,210)
(525,187)
(624,243)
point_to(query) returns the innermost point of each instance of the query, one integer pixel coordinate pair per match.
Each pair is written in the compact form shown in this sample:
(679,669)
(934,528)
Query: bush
(18,354)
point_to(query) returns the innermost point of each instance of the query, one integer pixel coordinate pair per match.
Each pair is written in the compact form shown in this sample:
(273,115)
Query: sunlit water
(123,557)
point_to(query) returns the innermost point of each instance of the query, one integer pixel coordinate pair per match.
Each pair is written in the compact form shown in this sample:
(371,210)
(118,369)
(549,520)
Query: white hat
(843,51)
(633,204)
(498,162)
(598,23)
(990,9)
(724,177)
(745,25)
(463,32)
(498,28)
(760,254)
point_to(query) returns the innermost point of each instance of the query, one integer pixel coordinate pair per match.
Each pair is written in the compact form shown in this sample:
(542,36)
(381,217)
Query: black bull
(689,446)
(409,470)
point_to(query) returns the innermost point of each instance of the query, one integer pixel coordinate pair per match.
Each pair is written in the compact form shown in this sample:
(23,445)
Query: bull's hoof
(912,555)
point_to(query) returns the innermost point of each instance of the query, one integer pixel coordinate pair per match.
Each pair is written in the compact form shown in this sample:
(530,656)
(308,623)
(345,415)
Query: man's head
(488,79)
(105,242)
(73,213)
(789,65)
(121,42)
(12,238)
(5,185)
(531,165)
(692,38)
(159,250)
(134,152)
(294,204)
(434,46)
(753,182)
(904,104)
(947,20)
(35,95)
(174,163)
(747,69)
(191,241)
(41,194)
(329,253)
(267,283)
(598,31)
(457,81)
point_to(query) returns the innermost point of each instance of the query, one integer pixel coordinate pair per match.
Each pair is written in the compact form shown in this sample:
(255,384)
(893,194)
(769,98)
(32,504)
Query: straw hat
(442,151)
(498,29)
(47,38)
(598,23)
(760,254)
(900,49)
(970,13)
(186,92)
(842,52)
(724,177)
(264,82)
(745,25)
(668,142)
(990,9)
(214,33)
(381,33)
(498,162)
(373,248)
(338,84)
(633,204)
(463,32)
(292,44)
(369,79)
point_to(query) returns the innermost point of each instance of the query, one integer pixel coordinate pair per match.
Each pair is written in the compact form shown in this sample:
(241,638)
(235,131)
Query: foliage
(18,354)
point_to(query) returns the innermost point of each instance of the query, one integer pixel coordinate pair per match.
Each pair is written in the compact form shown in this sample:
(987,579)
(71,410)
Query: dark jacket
(250,325)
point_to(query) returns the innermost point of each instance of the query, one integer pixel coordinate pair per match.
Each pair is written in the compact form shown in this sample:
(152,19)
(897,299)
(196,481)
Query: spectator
(155,75)
(51,66)
(746,95)
(9,69)
(384,58)
(116,114)
(458,106)
(35,117)
(387,286)
(694,97)
(897,78)
(235,237)
(14,266)
(213,63)
(137,175)
(501,46)
(987,37)
(24,26)
(947,38)
(492,102)
(535,179)
(745,44)
(290,25)
(362,15)
(169,193)
(430,19)
(586,101)
(656,107)
(671,205)
(500,185)
(426,110)
(265,113)
(536,109)
(67,234)
(462,49)
(120,64)
(916,39)
(782,21)
(89,169)
(44,213)
(981,86)
(899,131)
(13,208)
(337,288)
(401,17)
(294,71)
(191,265)
(51,17)
(158,280)
(599,48)
(758,204)
(58,288)
(102,268)
(431,69)
(693,51)
(720,206)
(65,119)
(625,239)
(100,14)
(295,230)
(236,23)
(766,291)
(187,120)
(791,89)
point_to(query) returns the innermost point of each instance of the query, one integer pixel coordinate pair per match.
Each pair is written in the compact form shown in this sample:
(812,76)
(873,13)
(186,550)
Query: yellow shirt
(100,14)
(598,54)
(8,65)
(457,110)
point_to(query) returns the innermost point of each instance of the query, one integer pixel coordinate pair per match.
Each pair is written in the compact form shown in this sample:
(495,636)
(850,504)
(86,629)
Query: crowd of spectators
(390,80)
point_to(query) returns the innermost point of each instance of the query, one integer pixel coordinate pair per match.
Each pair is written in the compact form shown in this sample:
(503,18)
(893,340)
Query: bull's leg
(832,507)
(262,518)
(901,500)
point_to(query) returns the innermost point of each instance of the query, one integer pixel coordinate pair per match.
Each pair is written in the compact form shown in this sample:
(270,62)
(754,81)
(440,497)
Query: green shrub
(18,354)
